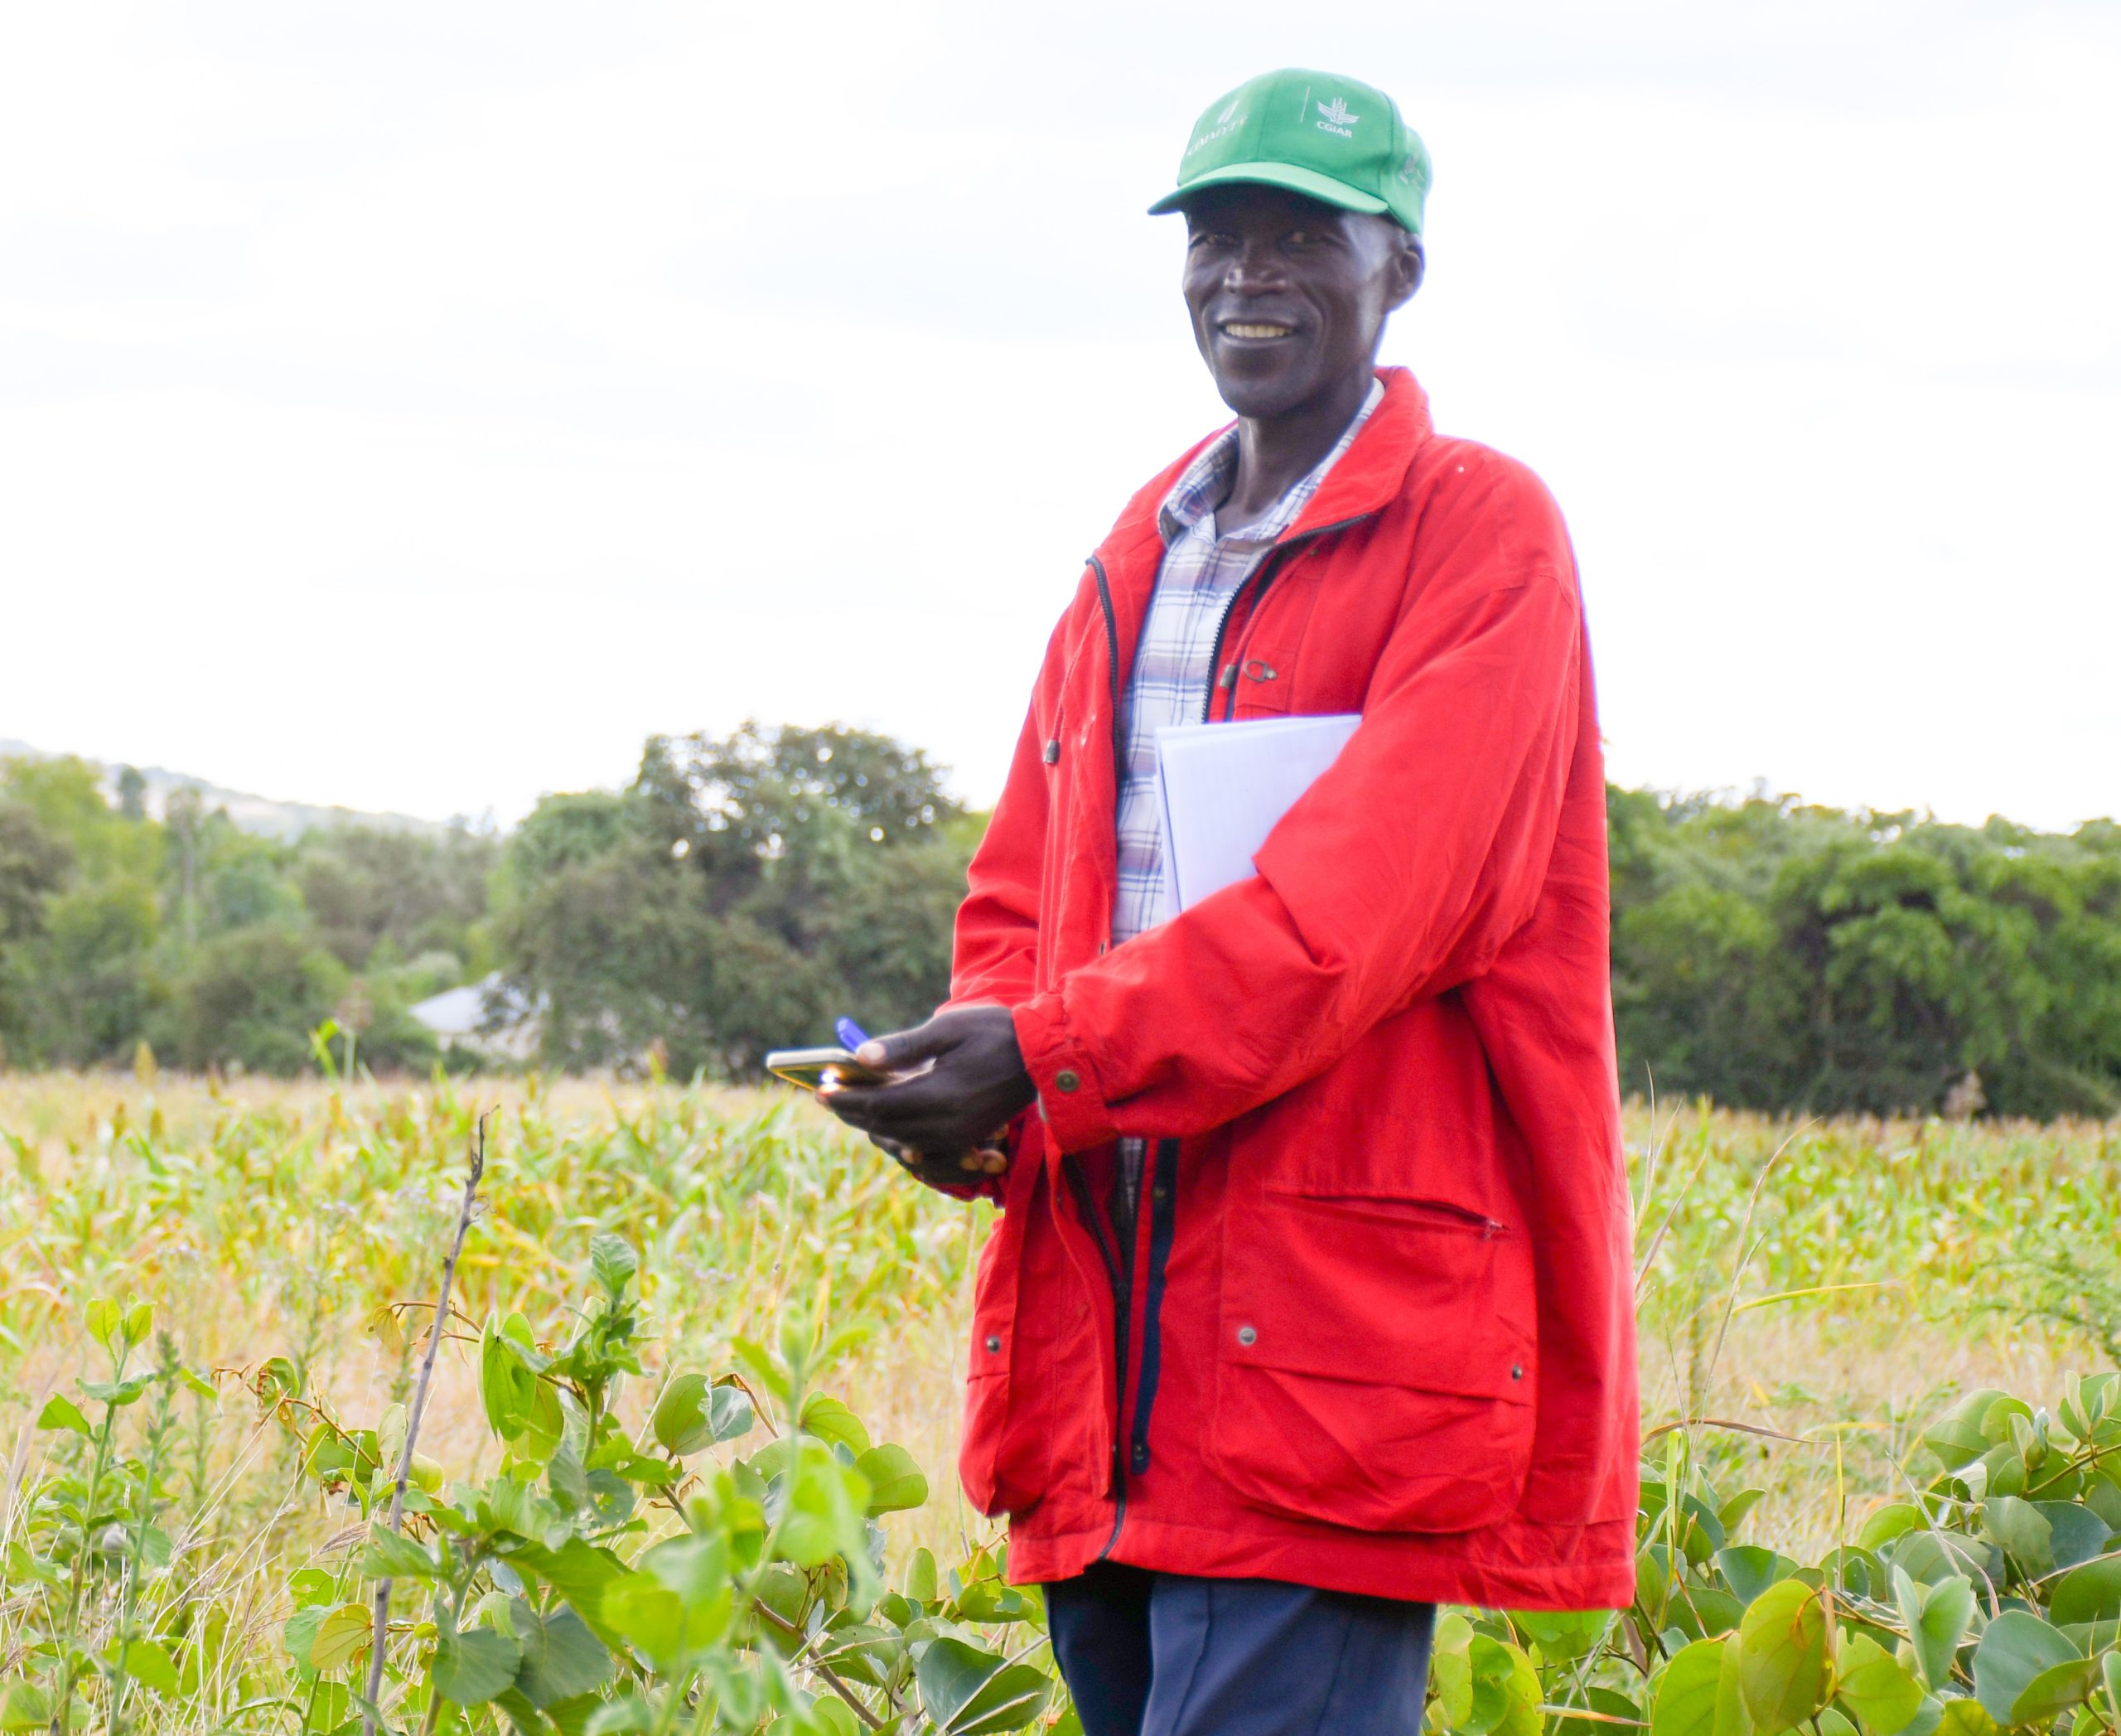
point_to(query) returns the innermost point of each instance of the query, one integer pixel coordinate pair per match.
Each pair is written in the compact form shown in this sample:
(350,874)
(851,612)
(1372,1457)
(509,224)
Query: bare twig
(380,1623)
(832,1676)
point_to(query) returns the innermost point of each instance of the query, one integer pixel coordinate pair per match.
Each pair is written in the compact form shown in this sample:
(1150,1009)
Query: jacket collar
(1368,476)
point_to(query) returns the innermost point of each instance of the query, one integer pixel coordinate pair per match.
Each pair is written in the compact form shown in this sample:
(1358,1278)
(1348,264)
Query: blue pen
(851,1035)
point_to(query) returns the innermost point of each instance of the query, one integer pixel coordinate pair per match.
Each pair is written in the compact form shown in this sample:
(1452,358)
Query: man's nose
(1256,267)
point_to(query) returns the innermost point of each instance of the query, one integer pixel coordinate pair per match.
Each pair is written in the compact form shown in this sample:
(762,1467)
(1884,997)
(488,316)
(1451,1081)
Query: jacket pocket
(1374,1364)
(1006,1445)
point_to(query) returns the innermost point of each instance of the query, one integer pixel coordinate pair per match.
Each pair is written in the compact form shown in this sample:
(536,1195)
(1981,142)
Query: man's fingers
(898,1051)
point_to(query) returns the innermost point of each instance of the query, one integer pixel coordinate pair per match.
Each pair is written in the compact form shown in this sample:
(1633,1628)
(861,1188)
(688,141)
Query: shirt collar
(1202,485)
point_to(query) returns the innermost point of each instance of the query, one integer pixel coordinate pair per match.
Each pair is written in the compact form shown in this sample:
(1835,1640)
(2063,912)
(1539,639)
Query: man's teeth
(1240,328)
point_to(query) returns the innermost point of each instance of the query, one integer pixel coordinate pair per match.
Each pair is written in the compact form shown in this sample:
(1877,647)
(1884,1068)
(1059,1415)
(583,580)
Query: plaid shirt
(1173,674)
(1170,681)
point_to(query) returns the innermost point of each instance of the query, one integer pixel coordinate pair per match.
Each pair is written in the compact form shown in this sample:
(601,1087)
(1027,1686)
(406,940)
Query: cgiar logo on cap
(1337,118)
(1229,113)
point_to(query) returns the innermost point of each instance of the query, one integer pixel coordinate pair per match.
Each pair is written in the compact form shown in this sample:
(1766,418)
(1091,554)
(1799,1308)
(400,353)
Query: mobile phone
(816,1069)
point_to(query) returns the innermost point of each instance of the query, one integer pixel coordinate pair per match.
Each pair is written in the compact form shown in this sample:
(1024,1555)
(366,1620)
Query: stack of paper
(1225,785)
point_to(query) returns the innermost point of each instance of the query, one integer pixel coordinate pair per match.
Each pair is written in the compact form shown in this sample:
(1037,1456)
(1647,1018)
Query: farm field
(1828,1289)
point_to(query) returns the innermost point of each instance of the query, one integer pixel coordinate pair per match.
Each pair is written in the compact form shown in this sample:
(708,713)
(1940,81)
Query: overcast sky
(414,406)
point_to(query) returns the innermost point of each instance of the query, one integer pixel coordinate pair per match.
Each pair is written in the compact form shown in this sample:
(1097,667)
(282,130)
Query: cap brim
(1307,182)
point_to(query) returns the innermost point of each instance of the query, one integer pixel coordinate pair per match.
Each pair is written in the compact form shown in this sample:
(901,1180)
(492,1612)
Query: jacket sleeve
(1400,874)
(994,949)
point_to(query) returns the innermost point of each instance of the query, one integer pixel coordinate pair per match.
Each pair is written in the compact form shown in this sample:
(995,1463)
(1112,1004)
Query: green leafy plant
(1988,1600)
(659,1579)
(90,1553)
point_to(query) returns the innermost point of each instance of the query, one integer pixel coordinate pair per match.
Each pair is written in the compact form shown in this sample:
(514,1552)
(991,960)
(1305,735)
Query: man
(1309,1302)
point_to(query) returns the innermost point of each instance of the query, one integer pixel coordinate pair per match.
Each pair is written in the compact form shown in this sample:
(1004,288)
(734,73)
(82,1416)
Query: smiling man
(1310,1303)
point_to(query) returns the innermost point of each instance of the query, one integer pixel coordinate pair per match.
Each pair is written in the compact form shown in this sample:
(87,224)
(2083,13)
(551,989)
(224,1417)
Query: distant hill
(259,814)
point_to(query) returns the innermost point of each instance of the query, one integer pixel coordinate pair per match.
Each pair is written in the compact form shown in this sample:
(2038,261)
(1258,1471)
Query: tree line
(743,890)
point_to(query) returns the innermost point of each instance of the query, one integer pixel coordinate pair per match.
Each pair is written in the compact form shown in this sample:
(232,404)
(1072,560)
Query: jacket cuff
(1070,1101)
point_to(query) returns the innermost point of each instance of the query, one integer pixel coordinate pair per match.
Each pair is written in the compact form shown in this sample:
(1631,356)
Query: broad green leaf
(830,1717)
(1749,1570)
(299,1635)
(1896,1519)
(832,1423)
(1936,1618)
(562,1659)
(826,1501)
(920,1576)
(471,1667)
(1733,1513)
(965,1691)
(2109,1677)
(126,1391)
(896,1482)
(677,1604)
(565,1477)
(311,1585)
(1930,1558)
(61,1412)
(1685,1703)
(729,1412)
(1450,1670)
(680,1422)
(1957,1437)
(1562,1636)
(101,1317)
(649,1616)
(578,1571)
(2023,1531)
(392,1555)
(613,1263)
(696,1569)
(148,1662)
(26,1706)
(2025,1670)
(152,1545)
(1506,1696)
(138,1321)
(2091,1592)
(1965,1717)
(1783,1662)
(2077,1535)
(1877,1687)
(341,1635)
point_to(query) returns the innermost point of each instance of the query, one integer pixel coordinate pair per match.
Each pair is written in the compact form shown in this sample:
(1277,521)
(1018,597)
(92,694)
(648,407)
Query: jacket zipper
(1112,666)
(1118,1273)
(1163,1171)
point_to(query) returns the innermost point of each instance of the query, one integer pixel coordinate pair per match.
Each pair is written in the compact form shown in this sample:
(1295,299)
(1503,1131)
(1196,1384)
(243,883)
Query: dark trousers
(1149,1654)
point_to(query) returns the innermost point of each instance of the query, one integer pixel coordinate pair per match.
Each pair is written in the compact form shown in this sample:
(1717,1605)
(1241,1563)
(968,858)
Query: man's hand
(953,1169)
(975,1087)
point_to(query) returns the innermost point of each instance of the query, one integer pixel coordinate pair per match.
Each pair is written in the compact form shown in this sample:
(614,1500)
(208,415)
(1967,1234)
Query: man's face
(1289,296)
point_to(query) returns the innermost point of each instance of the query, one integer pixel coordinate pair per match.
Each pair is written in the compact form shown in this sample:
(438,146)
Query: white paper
(1225,786)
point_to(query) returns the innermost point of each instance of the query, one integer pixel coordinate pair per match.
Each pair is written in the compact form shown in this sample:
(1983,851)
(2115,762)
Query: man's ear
(1409,263)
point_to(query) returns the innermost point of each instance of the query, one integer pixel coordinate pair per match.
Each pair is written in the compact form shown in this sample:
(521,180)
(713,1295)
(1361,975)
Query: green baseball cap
(1334,139)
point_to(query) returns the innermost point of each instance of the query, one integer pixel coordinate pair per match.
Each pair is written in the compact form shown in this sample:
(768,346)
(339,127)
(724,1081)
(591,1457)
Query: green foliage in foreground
(676,1577)
(599,1580)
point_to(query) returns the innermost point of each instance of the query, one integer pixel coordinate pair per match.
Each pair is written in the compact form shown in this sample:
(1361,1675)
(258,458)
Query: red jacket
(1377,1331)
